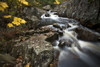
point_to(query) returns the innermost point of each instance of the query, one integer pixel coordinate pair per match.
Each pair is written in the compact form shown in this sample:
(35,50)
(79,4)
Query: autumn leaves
(16,21)
(3,6)
(56,2)
(23,2)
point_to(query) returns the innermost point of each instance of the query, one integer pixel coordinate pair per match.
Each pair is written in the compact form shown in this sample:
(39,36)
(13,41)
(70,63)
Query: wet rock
(35,50)
(44,59)
(47,7)
(86,11)
(31,13)
(87,34)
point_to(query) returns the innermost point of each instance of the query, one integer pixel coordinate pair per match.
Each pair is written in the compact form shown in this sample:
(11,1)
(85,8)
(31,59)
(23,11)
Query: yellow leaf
(23,21)
(1,8)
(4,4)
(56,2)
(51,65)
(26,3)
(19,20)
(7,16)
(15,19)
(23,2)
(10,25)
(16,23)
(27,65)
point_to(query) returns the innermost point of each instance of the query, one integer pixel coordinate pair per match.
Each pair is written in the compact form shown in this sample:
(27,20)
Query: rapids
(73,51)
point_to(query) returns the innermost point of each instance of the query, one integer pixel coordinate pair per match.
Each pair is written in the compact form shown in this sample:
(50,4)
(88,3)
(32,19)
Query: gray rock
(84,10)
(47,7)
(30,12)
(87,34)
(35,50)
(32,15)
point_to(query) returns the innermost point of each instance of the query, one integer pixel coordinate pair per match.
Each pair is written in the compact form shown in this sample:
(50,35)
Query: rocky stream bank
(26,45)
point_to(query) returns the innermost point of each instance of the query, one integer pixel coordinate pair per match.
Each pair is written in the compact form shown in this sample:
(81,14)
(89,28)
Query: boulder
(33,13)
(86,11)
(33,49)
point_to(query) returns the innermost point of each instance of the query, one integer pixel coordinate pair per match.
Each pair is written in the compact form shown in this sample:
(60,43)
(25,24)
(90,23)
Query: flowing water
(73,52)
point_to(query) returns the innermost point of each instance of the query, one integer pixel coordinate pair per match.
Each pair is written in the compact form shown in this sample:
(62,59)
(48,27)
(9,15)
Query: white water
(52,18)
(65,53)
(93,47)
(85,57)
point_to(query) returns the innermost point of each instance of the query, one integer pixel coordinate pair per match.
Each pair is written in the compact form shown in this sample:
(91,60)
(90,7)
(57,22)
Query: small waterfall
(52,18)
(79,48)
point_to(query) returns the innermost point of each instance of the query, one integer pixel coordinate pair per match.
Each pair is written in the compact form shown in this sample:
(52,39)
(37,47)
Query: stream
(71,49)
(55,42)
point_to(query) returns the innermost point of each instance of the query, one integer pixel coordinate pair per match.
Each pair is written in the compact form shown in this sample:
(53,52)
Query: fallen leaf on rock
(27,65)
